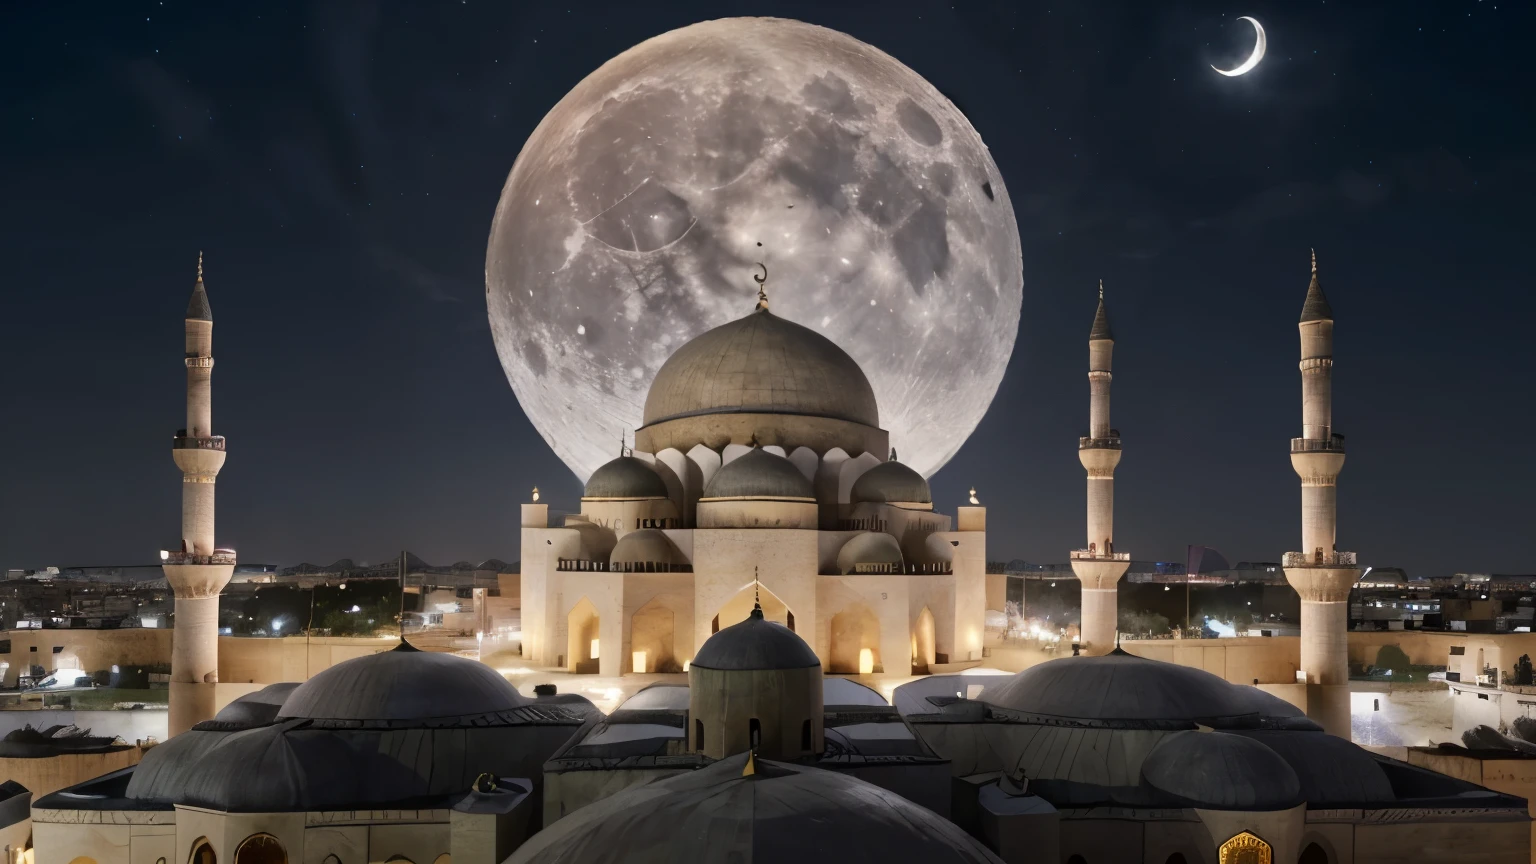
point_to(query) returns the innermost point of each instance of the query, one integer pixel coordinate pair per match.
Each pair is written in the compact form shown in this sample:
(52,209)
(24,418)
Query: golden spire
(751,767)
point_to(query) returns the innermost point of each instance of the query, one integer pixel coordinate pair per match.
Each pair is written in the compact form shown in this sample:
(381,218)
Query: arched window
(698,734)
(1077,859)
(805,736)
(754,733)
(202,852)
(1177,858)
(444,858)
(1313,854)
(260,849)
(331,859)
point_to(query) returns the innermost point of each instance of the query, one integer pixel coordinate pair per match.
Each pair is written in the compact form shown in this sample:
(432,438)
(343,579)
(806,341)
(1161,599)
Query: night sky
(339,164)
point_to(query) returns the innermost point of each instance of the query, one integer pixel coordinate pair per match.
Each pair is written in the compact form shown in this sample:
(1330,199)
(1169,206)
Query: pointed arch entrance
(923,650)
(855,643)
(739,607)
(582,648)
(653,637)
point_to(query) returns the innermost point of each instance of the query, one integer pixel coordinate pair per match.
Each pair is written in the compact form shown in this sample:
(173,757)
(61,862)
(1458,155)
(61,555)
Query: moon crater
(631,218)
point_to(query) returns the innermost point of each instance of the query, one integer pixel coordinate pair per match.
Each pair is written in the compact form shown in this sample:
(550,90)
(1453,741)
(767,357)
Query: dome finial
(1101,289)
(761,280)
(757,595)
(893,454)
(1314,260)
(751,767)
(199,265)
(535,494)
(973,496)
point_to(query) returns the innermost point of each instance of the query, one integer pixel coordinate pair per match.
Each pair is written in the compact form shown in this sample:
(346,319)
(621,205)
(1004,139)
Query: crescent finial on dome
(761,280)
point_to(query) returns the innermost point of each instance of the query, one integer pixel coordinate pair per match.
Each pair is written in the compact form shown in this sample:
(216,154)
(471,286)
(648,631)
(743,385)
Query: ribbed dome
(1122,687)
(625,477)
(643,546)
(402,684)
(1218,771)
(778,814)
(890,483)
(761,364)
(759,474)
(755,644)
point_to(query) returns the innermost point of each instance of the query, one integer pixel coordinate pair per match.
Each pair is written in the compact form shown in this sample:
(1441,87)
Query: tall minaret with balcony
(1099,567)
(1320,573)
(197,571)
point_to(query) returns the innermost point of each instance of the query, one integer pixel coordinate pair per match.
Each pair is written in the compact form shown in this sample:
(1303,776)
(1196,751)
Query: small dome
(1124,688)
(644,546)
(761,364)
(870,547)
(1219,771)
(778,814)
(402,684)
(755,644)
(890,483)
(625,477)
(759,474)
(256,709)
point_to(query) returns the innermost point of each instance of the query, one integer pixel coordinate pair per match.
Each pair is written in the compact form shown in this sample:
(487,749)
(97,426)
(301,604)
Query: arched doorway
(652,634)
(1314,854)
(922,643)
(202,852)
(582,648)
(855,644)
(260,849)
(739,607)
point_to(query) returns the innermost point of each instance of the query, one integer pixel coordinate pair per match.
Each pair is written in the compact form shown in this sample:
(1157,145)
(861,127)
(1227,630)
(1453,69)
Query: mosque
(760,470)
(757,538)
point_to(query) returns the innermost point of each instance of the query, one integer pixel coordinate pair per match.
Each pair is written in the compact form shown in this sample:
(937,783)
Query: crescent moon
(1258,52)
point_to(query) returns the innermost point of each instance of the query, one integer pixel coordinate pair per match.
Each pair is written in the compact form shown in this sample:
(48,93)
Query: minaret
(1099,567)
(1320,573)
(197,571)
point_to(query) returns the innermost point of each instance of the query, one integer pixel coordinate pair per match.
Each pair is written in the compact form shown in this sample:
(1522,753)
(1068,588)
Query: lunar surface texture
(632,219)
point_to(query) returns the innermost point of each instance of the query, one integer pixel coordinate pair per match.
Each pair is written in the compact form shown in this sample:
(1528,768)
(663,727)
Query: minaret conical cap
(198,308)
(1316,308)
(1101,329)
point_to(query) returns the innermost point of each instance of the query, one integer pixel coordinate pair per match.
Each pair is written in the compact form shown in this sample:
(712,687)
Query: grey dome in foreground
(1122,687)
(780,814)
(625,477)
(761,364)
(890,483)
(1221,771)
(402,684)
(759,474)
(755,644)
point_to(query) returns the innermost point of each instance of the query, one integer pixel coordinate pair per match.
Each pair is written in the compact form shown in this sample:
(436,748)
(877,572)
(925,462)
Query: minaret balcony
(187,442)
(1110,443)
(1318,558)
(1332,444)
(219,556)
(1096,555)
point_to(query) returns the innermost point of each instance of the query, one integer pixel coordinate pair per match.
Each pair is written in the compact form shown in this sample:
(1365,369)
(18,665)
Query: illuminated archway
(1246,848)
(582,648)
(652,636)
(260,849)
(923,643)
(855,647)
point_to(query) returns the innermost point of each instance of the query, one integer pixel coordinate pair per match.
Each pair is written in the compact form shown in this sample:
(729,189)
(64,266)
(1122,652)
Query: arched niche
(582,646)
(261,849)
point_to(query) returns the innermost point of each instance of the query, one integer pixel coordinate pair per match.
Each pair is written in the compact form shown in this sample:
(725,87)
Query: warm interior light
(639,663)
(866,661)
(593,655)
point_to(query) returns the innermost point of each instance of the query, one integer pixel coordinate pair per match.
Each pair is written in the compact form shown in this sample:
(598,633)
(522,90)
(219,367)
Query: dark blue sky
(339,163)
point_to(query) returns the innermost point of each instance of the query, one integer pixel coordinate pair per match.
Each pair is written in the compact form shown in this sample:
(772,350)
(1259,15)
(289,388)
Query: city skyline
(360,387)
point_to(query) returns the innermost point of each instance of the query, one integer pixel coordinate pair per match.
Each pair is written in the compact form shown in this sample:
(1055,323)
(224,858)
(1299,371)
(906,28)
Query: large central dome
(761,364)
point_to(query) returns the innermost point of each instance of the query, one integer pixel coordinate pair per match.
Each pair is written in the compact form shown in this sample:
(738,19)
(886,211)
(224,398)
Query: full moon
(636,213)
